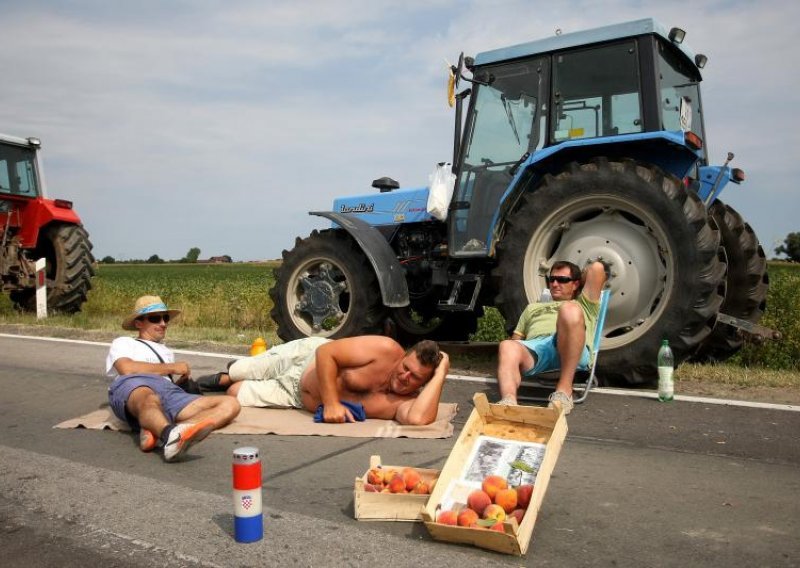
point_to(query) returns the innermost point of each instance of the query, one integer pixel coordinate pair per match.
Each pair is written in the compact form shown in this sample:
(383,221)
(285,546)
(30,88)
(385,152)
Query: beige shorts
(272,379)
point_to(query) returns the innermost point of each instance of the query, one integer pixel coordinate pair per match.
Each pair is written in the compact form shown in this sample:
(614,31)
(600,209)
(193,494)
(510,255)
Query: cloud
(222,124)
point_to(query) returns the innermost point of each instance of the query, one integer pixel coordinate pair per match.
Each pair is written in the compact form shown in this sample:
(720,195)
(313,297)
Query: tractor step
(460,299)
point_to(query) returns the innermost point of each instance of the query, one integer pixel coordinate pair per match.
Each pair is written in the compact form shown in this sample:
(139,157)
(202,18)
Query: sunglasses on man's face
(156,318)
(561,279)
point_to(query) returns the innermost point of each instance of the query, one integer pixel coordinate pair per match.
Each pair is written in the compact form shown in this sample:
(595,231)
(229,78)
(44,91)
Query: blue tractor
(579,146)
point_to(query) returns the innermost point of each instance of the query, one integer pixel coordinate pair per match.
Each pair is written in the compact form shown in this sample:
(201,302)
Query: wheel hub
(320,297)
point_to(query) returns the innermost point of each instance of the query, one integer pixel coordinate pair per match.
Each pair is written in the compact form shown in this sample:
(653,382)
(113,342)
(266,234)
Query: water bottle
(546,296)
(666,366)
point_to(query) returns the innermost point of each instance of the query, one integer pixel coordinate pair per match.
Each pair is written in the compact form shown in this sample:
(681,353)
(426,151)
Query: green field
(229,303)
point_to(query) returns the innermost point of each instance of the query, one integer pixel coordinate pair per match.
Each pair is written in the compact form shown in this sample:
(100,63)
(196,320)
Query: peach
(498,526)
(524,493)
(447,518)
(517,514)
(478,500)
(492,484)
(467,518)
(375,476)
(411,477)
(397,485)
(495,512)
(369,488)
(507,499)
(421,488)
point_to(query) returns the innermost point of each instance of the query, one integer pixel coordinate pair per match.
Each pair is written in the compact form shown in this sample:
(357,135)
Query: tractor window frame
(18,171)
(504,122)
(678,78)
(604,99)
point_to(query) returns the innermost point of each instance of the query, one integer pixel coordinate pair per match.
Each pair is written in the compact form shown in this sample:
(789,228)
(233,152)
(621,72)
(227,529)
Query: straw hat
(147,305)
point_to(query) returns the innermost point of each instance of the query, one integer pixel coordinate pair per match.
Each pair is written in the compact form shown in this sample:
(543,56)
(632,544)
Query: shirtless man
(372,370)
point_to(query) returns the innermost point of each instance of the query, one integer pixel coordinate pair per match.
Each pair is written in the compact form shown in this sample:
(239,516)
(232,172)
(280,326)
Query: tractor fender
(391,276)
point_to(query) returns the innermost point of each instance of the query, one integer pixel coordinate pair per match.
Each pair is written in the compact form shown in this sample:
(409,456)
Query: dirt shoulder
(482,363)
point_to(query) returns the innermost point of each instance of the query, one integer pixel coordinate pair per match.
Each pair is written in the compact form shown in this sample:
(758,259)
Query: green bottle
(666,366)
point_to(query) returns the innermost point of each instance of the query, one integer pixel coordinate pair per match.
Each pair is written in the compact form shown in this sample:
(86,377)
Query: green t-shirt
(539,319)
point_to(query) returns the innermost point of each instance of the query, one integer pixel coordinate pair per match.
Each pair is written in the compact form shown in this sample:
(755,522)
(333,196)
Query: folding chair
(588,379)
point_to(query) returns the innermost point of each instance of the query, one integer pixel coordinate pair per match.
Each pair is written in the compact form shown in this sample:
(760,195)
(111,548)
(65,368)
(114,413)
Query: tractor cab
(535,105)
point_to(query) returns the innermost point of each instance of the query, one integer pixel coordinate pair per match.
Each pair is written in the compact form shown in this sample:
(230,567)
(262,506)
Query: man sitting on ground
(145,391)
(554,335)
(371,370)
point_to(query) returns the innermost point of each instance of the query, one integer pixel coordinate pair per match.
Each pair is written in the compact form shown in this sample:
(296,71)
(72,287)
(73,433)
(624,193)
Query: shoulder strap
(150,347)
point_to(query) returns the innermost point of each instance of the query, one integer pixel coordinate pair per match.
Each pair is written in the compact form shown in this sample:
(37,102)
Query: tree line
(192,256)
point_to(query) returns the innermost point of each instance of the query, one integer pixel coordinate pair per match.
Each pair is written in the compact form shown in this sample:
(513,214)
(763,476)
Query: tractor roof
(587,37)
(13,139)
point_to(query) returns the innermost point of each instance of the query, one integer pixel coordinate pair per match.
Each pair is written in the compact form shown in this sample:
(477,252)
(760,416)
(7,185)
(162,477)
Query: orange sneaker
(183,436)
(147,440)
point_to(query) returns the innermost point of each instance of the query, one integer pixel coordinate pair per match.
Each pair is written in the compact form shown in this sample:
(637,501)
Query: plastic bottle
(546,296)
(258,346)
(666,366)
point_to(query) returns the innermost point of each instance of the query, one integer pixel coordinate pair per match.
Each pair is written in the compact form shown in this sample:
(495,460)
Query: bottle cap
(665,342)
(244,456)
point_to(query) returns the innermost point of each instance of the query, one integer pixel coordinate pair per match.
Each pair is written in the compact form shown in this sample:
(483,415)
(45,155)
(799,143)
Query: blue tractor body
(575,147)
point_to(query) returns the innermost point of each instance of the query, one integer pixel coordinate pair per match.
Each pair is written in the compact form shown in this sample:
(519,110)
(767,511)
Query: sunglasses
(561,279)
(156,318)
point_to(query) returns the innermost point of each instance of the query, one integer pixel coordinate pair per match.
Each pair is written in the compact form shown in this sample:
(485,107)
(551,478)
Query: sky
(219,125)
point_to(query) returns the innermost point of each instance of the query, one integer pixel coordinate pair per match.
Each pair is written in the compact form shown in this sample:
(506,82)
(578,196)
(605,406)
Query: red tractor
(34,227)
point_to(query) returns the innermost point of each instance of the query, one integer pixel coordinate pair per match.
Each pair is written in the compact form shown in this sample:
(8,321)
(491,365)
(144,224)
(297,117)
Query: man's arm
(423,409)
(350,352)
(127,366)
(593,278)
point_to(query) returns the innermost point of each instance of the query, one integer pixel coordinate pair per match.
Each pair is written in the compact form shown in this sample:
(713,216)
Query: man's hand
(444,363)
(337,413)
(183,370)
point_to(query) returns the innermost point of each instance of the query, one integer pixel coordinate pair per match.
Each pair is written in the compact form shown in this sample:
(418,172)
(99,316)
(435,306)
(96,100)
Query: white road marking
(481,380)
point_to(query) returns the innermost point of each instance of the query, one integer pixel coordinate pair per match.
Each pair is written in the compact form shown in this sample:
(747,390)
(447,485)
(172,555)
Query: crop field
(230,303)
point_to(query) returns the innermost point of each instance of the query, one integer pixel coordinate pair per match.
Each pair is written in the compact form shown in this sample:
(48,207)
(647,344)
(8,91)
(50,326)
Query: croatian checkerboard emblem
(247,502)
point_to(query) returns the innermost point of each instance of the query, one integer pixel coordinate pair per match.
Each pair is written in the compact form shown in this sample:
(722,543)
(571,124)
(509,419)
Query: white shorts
(272,378)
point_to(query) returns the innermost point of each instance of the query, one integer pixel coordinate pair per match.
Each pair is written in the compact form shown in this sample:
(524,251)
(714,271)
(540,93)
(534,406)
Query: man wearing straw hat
(146,392)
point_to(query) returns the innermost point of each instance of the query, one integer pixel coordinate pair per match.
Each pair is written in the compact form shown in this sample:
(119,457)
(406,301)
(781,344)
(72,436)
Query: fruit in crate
(421,488)
(467,518)
(478,500)
(375,476)
(397,484)
(411,478)
(507,499)
(524,493)
(492,484)
(447,518)
(495,512)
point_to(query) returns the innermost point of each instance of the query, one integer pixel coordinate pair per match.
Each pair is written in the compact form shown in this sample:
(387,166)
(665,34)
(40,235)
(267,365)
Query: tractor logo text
(360,208)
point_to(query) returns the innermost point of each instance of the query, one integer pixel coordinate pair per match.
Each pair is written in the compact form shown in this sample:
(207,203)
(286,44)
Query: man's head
(416,368)
(564,280)
(150,317)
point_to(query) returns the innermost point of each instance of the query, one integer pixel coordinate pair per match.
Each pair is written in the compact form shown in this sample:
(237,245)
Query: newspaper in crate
(518,462)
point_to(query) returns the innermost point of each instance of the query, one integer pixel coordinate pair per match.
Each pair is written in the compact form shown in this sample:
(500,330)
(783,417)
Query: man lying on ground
(371,370)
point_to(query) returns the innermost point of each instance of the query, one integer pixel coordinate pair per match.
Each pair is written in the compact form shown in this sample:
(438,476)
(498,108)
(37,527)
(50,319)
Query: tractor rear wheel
(326,287)
(69,269)
(747,283)
(665,271)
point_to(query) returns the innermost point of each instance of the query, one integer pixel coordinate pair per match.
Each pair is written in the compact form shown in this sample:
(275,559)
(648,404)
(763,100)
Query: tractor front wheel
(326,287)
(666,277)
(69,269)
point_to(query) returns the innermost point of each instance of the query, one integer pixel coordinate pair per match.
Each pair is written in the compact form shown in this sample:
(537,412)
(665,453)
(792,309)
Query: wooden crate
(528,424)
(390,506)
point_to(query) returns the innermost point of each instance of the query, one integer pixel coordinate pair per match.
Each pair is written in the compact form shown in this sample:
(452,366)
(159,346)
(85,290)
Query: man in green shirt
(554,335)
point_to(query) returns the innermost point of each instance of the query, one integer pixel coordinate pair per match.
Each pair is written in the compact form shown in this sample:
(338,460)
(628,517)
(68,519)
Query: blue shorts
(545,352)
(173,398)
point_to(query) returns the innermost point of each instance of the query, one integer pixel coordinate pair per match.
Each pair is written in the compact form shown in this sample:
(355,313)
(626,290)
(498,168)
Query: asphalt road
(638,483)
